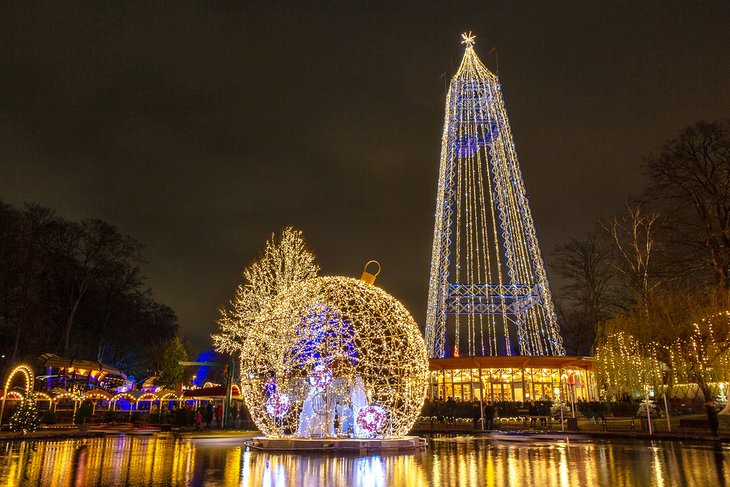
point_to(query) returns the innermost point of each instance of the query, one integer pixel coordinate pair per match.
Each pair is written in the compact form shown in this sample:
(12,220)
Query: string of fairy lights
(25,417)
(626,365)
(486,267)
(286,261)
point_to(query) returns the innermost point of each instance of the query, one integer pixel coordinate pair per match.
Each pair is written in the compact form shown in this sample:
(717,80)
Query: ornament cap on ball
(368,277)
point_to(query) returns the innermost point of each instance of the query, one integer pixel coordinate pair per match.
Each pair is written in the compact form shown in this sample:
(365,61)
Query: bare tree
(589,291)
(691,179)
(89,254)
(23,243)
(634,237)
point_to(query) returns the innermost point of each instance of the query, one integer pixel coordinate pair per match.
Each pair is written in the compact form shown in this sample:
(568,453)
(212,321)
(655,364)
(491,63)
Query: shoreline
(498,435)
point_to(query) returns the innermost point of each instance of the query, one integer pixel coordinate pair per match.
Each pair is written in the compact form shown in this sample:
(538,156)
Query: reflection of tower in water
(488,290)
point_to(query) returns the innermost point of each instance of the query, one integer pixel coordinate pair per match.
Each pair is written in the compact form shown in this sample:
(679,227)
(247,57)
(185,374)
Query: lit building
(512,378)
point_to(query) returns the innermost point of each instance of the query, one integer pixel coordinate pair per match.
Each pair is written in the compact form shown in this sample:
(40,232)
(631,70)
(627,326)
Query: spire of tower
(471,66)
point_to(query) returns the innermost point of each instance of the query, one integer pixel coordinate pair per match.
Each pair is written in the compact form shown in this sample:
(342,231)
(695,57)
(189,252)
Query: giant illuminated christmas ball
(334,357)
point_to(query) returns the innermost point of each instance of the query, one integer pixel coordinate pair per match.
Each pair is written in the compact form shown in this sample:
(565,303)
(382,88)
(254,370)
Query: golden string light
(625,365)
(285,262)
(26,373)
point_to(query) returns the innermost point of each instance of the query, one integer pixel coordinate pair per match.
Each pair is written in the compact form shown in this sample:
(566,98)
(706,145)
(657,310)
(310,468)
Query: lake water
(157,460)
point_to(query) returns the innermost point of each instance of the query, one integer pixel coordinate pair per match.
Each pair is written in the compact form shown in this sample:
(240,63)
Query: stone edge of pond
(633,435)
(72,433)
(76,434)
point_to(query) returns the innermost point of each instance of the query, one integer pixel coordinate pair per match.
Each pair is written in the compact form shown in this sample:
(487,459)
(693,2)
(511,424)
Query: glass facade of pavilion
(512,378)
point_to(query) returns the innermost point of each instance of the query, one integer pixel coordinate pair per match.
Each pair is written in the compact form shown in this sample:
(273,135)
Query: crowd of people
(209,415)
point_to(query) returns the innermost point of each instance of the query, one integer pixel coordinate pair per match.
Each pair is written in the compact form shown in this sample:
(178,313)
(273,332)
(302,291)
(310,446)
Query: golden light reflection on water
(160,460)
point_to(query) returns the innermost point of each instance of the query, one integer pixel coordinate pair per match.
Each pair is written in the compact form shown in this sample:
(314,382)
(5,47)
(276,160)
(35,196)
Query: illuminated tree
(172,373)
(284,263)
(678,339)
(703,358)
(25,418)
(624,365)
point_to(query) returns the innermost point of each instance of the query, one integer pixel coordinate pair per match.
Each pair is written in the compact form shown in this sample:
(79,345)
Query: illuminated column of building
(488,290)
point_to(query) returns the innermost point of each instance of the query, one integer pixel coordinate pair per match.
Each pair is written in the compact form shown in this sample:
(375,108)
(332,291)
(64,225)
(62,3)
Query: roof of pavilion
(211,392)
(515,362)
(83,367)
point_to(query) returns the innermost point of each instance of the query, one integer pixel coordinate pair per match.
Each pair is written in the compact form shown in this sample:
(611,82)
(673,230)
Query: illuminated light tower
(488,290)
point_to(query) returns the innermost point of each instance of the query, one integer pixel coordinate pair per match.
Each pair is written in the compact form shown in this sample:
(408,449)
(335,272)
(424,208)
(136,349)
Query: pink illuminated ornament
(372,419)
(320,377)
(277,405)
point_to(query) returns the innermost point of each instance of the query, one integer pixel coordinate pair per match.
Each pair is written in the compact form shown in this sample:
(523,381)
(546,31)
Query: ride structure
(488,289)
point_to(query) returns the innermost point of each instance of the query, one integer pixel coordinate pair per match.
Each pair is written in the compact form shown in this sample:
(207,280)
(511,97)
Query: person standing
(198,419)
(489,415)
(712,417)
(208,414)
(234,416)
(543,410)
(533,412)
(219,415)
(476,414)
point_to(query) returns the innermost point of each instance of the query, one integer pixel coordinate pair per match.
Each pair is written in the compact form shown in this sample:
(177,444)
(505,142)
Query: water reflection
(160,460)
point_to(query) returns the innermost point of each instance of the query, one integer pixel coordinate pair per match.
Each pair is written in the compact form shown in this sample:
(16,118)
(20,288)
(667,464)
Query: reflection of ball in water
(331,333)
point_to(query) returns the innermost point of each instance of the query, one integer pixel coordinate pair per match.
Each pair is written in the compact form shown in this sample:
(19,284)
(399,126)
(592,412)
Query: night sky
(200,129)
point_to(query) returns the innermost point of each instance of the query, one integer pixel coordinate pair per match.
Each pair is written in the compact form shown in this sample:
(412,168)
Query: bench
(542,419)
(608,419)
(694,423)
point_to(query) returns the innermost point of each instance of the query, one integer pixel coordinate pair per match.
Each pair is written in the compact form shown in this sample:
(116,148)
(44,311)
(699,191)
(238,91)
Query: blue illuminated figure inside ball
(323,336)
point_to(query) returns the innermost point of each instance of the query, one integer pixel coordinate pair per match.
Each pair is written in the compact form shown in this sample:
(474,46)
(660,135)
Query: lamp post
(556,393)
(648,409)
(478,386)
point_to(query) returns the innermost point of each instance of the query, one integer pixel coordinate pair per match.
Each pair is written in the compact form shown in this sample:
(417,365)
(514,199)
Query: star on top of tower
(468,39)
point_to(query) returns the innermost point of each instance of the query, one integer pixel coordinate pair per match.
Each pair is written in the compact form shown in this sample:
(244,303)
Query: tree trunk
(67,330)
(705,388)
(14,354)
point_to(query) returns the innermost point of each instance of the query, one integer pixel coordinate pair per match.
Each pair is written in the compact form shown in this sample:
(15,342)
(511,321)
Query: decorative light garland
(29,377)
(27,374)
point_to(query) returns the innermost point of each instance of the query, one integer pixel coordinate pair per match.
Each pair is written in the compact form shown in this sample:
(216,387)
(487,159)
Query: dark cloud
(201,129)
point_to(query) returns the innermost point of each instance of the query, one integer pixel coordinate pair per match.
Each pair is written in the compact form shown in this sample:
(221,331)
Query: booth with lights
(516,378)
